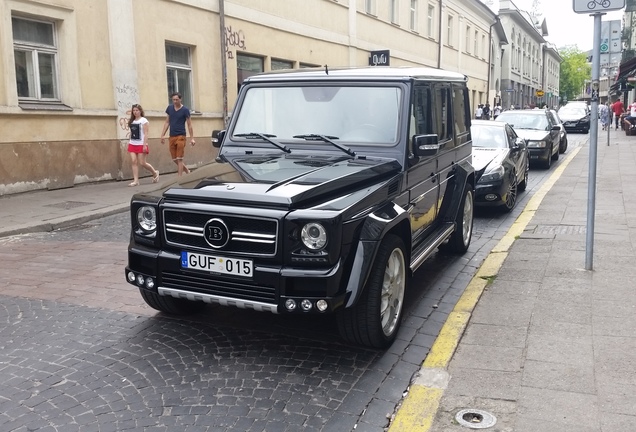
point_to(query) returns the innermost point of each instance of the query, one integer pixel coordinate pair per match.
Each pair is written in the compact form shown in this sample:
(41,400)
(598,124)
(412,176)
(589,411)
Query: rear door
(443,127)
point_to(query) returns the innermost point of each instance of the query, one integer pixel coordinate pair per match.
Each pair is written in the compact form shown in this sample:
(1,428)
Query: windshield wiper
(265,137)
(328,139)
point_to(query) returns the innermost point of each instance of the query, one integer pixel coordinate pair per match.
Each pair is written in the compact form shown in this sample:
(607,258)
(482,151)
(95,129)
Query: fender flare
(377,224)
(464,178)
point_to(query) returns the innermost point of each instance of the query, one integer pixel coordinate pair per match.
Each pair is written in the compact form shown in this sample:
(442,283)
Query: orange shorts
(177,146)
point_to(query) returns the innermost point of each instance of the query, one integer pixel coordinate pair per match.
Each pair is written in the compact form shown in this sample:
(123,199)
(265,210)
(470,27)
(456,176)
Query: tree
(574,71)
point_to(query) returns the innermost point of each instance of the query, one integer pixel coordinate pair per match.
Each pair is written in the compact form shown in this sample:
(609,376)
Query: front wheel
(591,5)
(555,155)
(564,145)
(511,194)
(523,184)
(460,239)
(375,319)
(548,162)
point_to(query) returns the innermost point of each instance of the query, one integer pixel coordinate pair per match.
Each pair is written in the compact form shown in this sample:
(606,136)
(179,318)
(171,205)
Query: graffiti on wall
(234,39)
(127,95)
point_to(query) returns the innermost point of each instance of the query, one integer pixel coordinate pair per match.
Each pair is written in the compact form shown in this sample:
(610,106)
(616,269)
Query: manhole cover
(560,229)
(475,419)
(68,204)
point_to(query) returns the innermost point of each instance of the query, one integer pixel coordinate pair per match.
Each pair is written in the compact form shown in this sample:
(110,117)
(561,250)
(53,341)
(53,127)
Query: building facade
(71,69)
(523,74)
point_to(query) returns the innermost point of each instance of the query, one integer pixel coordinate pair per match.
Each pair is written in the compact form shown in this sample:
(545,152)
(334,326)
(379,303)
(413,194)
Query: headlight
(314,236)
(538,144)
(493,174)
(147,218)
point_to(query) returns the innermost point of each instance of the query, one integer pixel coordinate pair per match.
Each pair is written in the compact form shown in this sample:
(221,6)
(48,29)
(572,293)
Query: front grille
(248,236)
(210,285)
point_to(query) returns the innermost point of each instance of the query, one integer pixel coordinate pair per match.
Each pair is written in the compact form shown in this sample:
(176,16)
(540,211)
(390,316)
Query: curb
(419,408)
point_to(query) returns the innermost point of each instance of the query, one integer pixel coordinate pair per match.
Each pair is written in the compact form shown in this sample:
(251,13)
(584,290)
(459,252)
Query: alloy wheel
(393,287)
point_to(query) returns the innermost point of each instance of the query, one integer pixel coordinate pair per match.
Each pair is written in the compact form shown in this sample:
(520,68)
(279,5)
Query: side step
(427,248)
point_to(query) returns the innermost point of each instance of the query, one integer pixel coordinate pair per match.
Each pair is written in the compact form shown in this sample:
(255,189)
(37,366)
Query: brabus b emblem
(216,233)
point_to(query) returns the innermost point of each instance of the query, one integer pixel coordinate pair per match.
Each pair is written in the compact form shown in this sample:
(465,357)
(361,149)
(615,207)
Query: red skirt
(136,148)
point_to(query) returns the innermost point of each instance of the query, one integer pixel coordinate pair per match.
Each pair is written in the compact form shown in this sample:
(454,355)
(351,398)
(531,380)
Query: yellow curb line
(420,405)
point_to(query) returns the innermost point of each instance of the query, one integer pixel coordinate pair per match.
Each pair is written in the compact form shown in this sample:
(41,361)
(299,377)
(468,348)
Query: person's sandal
(155,178)
(133,184)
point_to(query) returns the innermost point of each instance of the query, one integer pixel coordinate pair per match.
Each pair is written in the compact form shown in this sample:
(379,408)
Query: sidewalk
(49,210)
(538,343)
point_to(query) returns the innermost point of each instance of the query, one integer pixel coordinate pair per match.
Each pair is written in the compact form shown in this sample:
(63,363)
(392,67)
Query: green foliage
(574,71)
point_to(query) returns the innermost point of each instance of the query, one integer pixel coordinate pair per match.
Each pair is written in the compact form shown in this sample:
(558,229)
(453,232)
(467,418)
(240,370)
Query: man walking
(177,117)
(617,109)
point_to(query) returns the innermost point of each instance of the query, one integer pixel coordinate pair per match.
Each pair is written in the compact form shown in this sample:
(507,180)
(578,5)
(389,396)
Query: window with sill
(35,55)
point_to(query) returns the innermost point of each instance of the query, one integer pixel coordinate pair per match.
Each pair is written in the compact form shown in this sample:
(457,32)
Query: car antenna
(326,70)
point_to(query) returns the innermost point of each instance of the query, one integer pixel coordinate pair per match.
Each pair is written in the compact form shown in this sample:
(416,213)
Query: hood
(284,181)
(532,134)
(484,156)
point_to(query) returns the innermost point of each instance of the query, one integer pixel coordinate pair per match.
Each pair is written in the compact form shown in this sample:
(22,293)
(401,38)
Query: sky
(566,27)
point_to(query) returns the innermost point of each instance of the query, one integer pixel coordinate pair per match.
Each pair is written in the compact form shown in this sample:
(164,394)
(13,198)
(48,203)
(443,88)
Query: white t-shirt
(137,131)
(632,110)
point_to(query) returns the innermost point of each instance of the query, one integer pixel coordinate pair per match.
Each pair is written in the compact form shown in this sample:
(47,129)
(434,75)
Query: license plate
(215,264)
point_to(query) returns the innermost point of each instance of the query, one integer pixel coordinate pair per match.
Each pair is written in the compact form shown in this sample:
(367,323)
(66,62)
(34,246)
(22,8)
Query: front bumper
(490,194)
(268,290)
(539,154)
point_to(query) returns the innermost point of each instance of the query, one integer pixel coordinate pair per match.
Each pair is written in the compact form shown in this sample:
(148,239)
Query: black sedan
(575,118)
(541,133)
(502,159)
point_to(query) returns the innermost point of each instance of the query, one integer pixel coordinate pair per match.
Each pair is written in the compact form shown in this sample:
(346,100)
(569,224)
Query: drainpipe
(490,61)
(440,44)
(223,60)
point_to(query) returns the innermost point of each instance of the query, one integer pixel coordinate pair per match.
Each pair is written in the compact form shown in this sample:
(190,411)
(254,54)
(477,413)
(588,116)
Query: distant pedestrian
(138,144)
(177,117)
(486,112)
(496,111)
(605,115)
(618,109)
(479,112)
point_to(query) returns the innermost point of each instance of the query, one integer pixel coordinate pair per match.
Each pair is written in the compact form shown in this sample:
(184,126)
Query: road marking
(419,407)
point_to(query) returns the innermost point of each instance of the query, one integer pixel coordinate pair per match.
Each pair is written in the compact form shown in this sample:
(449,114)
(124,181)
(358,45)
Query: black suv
(331,187)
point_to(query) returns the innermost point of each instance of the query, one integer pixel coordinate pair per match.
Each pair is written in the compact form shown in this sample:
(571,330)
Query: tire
(460,239)
(591,5)
(375,319)
(563,147)
(511,194)
(170,305)
(523,184)
(555,155)
(548,162)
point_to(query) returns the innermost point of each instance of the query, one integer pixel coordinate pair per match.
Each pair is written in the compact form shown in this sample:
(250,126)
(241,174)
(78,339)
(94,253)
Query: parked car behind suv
(563,134)
(331,188)
(537,127)
(501,157)
(575,118)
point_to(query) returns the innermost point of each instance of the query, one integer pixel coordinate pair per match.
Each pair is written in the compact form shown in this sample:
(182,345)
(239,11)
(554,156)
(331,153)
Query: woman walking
(138,144)
(605,115)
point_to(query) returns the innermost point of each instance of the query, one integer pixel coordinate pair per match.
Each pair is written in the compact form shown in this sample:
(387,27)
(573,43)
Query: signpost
(597,9)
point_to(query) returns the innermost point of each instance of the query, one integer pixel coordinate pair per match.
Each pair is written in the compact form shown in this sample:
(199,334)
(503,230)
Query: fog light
(140,279)
(322,305)
(131,277)
(150,283)
(491,197)
(290,304)
(306,305)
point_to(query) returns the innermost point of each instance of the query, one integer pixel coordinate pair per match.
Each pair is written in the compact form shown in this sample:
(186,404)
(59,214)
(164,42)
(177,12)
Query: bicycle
(604,3)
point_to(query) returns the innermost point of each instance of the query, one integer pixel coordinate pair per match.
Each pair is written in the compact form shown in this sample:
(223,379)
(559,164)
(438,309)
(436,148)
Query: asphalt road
(80,350)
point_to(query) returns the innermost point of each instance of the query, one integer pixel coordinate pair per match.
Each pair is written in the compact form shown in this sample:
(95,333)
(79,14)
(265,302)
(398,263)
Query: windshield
(488,136)
(525,120)
(572,112)
(360,114)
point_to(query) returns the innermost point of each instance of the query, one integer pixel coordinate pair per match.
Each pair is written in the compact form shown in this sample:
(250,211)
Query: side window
(460,109)
(512,136)
(420,121)
(442,112)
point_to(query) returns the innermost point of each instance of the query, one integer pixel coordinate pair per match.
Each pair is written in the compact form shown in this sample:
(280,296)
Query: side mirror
(425,145)
(556,128)
(520,143)
(217,138)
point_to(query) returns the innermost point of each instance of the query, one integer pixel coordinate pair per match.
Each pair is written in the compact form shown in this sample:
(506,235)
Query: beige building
(71,69)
